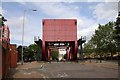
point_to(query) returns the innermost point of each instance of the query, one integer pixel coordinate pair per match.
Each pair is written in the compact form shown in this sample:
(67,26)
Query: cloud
(16,27)
(95,0)
(112,0)
(103,0)
(86,26)
(15,22)
(105,11)
(61,1)
(19,1)
(58,10)
(45,1)
(2,11)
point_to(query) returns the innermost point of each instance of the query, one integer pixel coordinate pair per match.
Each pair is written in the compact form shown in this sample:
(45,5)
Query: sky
(89,13)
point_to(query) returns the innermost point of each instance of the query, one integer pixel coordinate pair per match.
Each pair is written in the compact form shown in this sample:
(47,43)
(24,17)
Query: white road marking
(62,75)
(28,73)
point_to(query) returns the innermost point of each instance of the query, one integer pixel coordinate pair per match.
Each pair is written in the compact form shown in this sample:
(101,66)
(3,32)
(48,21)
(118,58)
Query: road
(65,70)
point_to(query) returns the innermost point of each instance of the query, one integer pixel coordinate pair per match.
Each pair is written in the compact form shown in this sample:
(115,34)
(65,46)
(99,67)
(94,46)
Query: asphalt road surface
(76,70)
(65,70)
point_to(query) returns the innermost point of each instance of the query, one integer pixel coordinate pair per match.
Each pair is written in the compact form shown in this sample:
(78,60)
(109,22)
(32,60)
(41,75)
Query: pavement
(27,70)
(105,64)
(81,69)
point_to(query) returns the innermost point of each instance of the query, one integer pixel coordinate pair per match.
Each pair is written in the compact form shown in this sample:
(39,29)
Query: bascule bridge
(59,33)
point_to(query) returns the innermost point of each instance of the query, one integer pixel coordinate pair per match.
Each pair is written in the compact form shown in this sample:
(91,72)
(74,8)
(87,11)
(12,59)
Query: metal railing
(36,38)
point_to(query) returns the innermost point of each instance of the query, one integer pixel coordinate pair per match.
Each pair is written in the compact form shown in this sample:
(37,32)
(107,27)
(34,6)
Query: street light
(23,34)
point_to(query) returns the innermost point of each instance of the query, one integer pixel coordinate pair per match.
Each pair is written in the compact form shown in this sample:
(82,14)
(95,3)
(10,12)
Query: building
(13,55)
(5,49)
(5,55)
(57,33)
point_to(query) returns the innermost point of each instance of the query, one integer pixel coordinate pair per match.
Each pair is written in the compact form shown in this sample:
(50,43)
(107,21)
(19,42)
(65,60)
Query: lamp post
(23,35)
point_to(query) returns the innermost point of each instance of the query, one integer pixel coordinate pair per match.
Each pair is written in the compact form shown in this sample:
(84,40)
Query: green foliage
(33,47)
(65,56)
(88,48)
(103,38)
(30,50)
(54,54)
(116,33)
(102,41)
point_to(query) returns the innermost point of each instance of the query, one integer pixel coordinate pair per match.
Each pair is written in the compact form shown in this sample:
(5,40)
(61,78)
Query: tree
(65,56)
(31,52)
(117,36)
(103,40)
(88,49)
(54,54)
(117,32)
(109,43)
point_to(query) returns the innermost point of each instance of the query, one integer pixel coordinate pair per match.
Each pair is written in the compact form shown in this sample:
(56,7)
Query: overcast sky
(89,14)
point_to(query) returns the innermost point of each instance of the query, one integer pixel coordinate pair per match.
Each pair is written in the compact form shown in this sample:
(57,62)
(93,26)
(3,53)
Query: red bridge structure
(4,43)
(8,52)
(59,33)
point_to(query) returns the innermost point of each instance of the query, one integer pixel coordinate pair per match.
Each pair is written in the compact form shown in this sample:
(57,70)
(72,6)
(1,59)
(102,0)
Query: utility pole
(23,35)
